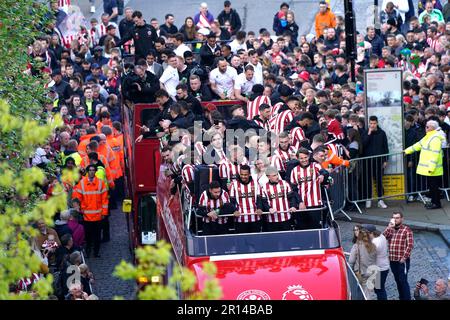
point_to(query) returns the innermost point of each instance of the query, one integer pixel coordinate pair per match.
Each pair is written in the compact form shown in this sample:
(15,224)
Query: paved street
(430,258)
(107,286)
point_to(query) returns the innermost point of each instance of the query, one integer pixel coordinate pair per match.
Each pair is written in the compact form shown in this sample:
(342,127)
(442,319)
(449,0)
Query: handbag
(358,274)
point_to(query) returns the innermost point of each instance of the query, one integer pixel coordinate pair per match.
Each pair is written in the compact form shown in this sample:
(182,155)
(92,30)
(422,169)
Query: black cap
(98,48)
(227,4)
(211,35)
(188,54)
(285,61)
(285,91)
(369,227)
(56,72)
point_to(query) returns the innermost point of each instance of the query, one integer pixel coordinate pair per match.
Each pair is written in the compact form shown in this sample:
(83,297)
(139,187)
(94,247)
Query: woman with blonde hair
(362,256)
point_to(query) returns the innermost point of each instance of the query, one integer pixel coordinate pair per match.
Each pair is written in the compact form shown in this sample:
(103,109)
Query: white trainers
(92,9)
(368,204)
(381,204)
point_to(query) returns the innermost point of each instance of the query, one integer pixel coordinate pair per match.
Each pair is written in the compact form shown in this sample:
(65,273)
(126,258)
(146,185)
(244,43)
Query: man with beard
(212,203)
(198,89)
(194,104)
(143,86)
(279,200)
(246,194)
(306,179)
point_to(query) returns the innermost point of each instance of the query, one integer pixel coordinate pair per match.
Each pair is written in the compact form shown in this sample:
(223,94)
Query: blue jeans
(381,292)
(400,271)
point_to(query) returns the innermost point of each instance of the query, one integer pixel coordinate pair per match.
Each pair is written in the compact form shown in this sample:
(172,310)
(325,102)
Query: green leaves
(152,264)
(22,130)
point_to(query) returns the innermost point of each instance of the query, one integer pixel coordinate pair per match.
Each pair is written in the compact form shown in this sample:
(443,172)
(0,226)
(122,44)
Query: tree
(151,269)
(23,128)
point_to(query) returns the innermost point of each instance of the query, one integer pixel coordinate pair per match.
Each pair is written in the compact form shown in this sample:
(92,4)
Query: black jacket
(233,18)
(204,93)
(125,26)
(194,104)
(377,44)
(207,57)
(144,38)
(149,85)
(375,144)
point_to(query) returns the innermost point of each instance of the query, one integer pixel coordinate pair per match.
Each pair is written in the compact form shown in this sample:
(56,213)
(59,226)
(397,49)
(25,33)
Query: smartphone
(392,221)
(423,281)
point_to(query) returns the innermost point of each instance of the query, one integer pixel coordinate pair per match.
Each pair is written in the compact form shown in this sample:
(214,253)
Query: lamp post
(350,38)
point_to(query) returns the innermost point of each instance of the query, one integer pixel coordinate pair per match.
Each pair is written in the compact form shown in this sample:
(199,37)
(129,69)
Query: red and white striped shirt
(277,197)
(94,40)
(213,204)
(187,173)
(277,162)
(229,170)
(335,128)
(245,195)
(297,136)
(264,125)
(282,120)
(308,183)
(276,108)
(25,283)
(101,30)
(253,106)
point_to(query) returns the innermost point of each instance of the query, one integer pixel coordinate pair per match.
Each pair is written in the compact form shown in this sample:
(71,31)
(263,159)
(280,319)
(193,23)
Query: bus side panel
(147,161)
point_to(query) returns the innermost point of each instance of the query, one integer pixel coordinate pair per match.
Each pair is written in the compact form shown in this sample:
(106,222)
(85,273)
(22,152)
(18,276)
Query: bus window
(147,219)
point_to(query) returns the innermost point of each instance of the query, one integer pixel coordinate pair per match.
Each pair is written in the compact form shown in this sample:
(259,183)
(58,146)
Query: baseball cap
(369,227)
(98,48)
(204,31)
(56,72)
(211,35)
(80,109)
(95,66)
(304,75)
(227,3)
(407,100)
(285,61)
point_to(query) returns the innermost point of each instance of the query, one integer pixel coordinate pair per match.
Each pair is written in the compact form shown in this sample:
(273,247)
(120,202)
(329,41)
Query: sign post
(383,96)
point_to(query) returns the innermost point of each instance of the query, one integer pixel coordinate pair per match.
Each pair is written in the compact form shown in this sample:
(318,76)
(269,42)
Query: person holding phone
(401,243)
(422,292)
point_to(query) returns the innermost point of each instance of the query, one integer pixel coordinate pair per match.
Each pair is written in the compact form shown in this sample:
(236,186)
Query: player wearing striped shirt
(307,178)
(283,153)
(279,200)
(298,127)
(245,193)
(263,118)
(253,109)
(284,118)
(211,204)
(229,169)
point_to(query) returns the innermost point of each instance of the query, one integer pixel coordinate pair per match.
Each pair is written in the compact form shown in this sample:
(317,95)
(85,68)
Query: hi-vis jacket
(93,197)
(430,147)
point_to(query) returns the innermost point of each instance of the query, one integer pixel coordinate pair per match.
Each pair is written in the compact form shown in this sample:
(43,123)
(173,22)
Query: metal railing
(366,172)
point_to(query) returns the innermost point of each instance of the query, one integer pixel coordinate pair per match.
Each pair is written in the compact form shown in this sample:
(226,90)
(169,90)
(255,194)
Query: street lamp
(350,36)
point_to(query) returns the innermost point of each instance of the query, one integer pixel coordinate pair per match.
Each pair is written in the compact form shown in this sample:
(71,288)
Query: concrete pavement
(416,216)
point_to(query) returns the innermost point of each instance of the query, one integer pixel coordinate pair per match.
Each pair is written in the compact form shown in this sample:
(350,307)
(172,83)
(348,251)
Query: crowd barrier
(367,177)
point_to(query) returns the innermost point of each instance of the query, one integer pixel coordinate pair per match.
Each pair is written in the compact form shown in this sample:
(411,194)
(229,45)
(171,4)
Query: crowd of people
(293,90)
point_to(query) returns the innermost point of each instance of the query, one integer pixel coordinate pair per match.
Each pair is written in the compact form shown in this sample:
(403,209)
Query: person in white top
(257,66)
(170,78)
(402,7)
(244,84)
(222,80)
(380,242)
(181,48)
(239,42)
(40,156)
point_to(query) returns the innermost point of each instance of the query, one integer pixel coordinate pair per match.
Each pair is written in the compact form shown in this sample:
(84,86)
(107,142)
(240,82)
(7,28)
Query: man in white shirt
(222,80)
(181,48)
(257,66)
(170,78)
(244,84)
(239,42)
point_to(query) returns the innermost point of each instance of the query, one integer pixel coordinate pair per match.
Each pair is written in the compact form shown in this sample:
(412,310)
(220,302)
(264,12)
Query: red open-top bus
(287,265)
